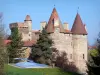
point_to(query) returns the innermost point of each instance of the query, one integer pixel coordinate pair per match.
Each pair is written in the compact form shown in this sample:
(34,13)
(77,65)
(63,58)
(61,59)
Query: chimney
(43,24)
(66,26)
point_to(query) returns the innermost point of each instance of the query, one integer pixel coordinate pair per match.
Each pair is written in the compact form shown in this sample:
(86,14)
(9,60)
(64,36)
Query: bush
(61,61)
(40,60)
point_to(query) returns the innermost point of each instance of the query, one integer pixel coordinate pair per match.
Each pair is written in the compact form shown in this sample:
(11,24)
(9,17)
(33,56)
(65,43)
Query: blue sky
(40,10)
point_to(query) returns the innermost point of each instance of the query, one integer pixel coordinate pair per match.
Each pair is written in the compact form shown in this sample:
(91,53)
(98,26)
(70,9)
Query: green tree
(3,52)
(42,51)
(15,47)
(94,61)
(93,52)
(60,60)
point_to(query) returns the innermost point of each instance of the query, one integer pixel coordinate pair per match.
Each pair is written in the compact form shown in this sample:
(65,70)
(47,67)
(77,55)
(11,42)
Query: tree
(94,61)
(3,52)
(42,51)
(15,47)
(93,52)
(60,60)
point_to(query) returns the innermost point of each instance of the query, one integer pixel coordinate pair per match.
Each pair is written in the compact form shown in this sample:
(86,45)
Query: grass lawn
(35,71)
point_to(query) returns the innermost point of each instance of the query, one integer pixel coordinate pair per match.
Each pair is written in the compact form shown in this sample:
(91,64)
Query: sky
(40,10)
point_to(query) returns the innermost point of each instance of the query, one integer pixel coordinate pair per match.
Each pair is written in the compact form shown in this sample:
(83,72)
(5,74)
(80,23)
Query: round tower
(28,22)
(79,44)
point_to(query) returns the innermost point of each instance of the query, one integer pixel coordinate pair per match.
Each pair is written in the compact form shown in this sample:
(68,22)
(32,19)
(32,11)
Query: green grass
(35,71)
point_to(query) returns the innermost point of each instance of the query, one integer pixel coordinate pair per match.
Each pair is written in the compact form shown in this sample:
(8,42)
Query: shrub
(60,59)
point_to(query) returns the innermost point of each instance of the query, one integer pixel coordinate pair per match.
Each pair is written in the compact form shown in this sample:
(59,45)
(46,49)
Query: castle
(73,42)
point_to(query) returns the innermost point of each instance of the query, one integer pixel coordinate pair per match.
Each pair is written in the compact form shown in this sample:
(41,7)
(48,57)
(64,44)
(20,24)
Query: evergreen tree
(15,47)
(94,61)
(42,51)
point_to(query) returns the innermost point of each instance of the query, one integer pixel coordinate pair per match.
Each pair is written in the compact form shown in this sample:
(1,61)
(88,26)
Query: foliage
(36,71)
(15,47)
(3,52)
(94,52)
(94,61)
(60,59)
(42,51)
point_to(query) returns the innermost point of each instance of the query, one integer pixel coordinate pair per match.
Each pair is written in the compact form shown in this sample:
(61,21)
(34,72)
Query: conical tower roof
(78,27)
(54,17)
(28,18)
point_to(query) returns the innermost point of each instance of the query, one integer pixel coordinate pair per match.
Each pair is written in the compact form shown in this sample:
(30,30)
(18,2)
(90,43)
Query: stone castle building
(73,42)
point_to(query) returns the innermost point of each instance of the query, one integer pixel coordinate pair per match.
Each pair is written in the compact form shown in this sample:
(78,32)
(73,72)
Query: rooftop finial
(54,5)
(77,9)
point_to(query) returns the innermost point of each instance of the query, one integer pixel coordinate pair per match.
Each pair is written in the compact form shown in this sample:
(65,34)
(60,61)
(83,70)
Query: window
(71,44)
(71,63)
(57,29)
(70,56)
(53,21)
(83,56)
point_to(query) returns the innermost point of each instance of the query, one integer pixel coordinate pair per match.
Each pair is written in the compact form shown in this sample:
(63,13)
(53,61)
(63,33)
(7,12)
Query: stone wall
(26,34)
(29,24)
(74,45)
(35,36)
(80,51)
(63,43)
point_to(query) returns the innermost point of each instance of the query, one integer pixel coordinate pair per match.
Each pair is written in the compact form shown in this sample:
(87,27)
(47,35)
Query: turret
(79,44)
(28,22)
(43,25)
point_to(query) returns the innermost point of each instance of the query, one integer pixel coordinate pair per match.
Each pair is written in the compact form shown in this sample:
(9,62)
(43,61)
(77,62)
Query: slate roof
(50,26)
(78,27)
(26,43)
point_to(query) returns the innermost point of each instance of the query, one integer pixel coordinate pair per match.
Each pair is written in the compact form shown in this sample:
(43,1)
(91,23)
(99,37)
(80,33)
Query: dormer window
(57,29)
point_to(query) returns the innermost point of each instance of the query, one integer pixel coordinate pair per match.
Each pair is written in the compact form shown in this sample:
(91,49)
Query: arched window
(83,56)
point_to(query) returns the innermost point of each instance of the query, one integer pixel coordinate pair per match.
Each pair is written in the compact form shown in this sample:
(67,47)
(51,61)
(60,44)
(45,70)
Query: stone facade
(73,42)
(74,45)
(80,51)
(25,29)
(63,42)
